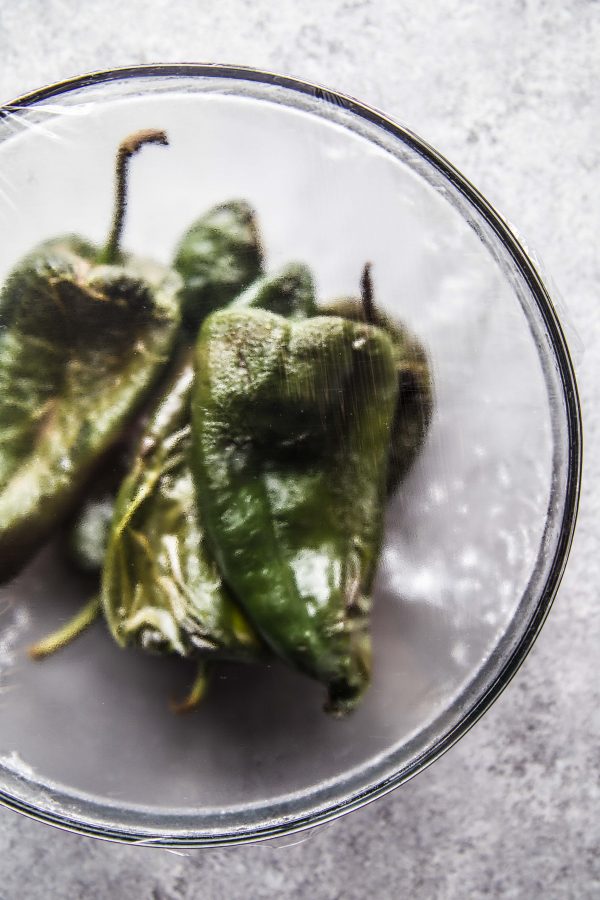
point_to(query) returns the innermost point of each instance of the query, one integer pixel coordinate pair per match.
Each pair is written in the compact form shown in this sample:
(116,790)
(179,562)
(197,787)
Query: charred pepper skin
(81,346)
(218,257)
(291,293)
(230,228)
(291,427)
(161,587)
(84,335)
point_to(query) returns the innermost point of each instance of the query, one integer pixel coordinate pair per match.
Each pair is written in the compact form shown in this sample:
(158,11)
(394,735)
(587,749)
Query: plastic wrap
(476,536)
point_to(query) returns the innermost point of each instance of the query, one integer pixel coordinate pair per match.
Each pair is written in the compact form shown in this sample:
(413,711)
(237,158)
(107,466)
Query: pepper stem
(127,148)
(196,692)
(68,632)
(366,295)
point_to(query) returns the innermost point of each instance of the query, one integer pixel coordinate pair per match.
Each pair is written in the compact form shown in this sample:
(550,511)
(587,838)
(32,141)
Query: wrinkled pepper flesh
(414,404)
(230,228)
(291,428)
(290,293)
(161,587)
(84,334)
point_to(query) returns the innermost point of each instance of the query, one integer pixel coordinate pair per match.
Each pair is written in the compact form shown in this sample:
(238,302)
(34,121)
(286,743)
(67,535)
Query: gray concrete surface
(509,92)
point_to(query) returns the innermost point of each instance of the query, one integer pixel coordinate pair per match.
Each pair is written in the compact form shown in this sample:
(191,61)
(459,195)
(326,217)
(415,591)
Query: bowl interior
(471,536)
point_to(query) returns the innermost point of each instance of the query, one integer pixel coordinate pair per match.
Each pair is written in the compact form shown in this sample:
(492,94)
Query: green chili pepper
(229,230)
(290,293)
(84,333)
(291,427)
(161,586)
(414,405)
(156,509)
(218,257)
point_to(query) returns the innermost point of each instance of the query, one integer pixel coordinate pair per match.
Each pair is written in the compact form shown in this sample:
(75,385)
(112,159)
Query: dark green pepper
(414,405)
(230,230)
(290,293)
(84,334)
(218,257)
(291,427)
(161,588)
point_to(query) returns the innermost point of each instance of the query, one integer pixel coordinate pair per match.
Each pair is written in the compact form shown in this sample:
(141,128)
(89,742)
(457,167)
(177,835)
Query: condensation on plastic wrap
(475,536)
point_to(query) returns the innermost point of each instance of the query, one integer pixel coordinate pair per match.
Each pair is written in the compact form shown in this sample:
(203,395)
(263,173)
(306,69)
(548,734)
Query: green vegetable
(218,257)
(84,334)
(289,293)
(414,404)
(291,428)
(161,587)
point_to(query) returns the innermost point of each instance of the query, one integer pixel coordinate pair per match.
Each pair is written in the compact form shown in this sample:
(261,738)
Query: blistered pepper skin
(414,405)
(291,427)
(289,292)
(218,257)
(81,346)
(161,587)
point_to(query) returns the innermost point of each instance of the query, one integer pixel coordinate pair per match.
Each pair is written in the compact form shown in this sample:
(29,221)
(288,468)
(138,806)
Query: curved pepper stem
(68,632)
(366,295)
(127,148)
(196,693)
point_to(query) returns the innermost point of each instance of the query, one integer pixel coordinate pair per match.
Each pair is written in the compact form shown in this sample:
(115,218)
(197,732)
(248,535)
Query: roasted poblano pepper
(161,587)
(84,334)
(414,404)
(291,428)
(289,293)
(218,257)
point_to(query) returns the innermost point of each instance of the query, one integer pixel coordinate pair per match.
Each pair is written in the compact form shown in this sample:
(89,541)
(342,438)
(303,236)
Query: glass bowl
(476,538)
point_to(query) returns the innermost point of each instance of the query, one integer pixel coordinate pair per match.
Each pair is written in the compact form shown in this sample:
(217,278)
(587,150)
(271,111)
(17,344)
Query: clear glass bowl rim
(562,357)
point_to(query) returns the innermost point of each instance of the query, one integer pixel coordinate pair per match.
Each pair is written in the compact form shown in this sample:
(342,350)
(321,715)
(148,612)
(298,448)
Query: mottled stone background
(509,92)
